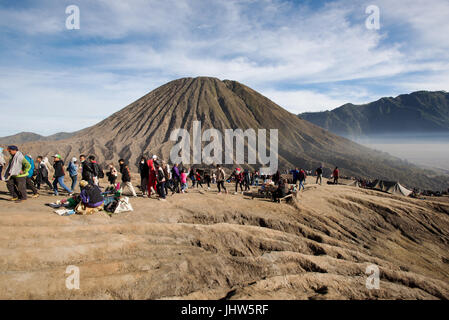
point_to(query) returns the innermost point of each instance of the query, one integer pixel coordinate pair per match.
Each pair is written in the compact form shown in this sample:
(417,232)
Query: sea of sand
(202,245)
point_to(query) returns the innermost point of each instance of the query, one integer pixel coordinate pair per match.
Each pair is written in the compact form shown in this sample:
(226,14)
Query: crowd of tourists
(157,177)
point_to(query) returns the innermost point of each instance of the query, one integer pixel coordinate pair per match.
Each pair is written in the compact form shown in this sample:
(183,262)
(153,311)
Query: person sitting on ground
(16,173)
(91,199)
(281,191)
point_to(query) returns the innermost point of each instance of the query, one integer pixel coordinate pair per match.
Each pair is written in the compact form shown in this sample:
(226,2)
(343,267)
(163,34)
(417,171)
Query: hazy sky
(304,55)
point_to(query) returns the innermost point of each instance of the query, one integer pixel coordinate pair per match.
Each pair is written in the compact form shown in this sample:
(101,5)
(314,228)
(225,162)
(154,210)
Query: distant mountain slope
(24,137)
(422,111)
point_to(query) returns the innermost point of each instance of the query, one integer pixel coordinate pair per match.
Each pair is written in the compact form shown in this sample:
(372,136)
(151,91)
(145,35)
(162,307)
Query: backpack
(31,162)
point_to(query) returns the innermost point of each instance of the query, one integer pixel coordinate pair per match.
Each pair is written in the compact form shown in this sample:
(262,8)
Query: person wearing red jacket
(198,179)
(152,180)
(336,174)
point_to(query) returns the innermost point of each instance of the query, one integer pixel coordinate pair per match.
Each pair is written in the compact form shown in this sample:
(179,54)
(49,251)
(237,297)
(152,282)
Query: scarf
(15,165)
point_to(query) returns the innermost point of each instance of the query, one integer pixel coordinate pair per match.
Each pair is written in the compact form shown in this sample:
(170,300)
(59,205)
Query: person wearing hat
(72,169)
(2,163)
(91,199)
(152,181)
(16,174)
(59,175)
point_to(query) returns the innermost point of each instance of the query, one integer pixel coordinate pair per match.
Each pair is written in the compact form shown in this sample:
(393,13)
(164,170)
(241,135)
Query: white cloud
(34,21)
(302,100)
(124,49)
(49,102)
(426,23)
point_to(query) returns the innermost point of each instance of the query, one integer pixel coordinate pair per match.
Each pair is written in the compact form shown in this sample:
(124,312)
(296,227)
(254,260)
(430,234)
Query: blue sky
(304,55)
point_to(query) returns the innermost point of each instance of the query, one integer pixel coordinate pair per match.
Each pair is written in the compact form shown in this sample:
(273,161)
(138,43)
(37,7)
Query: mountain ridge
(24,137)
(420,111)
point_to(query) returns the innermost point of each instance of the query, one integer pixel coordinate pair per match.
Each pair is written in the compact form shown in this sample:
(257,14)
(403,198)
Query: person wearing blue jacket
(295,175)
(29,179)
(72,169)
